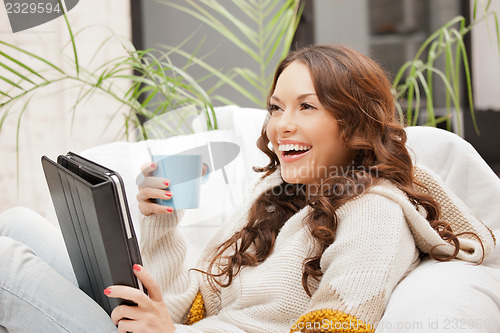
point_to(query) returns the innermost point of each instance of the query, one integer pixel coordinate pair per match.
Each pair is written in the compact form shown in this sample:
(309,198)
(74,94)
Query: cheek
(330,149)
(271,130)
(337,154)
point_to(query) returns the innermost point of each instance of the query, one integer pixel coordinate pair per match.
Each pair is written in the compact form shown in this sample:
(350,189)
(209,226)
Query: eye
(271,108)
(307,106)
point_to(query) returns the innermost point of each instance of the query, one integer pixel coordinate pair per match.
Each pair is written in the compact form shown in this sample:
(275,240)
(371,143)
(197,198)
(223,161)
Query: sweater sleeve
(373,250)
(163,249)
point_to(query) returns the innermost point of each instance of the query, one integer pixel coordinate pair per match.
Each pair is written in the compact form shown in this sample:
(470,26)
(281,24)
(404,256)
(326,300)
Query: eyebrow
(300,97)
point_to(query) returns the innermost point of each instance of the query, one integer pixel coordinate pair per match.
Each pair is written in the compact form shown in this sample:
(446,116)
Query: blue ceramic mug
(184,172)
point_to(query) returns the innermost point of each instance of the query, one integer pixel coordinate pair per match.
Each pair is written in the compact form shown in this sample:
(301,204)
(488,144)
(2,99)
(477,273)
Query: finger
(156,182)
(153,193)
(204,169)
(125,312)
(148,168)
(128,293)
(126,325)
(147,208)
(149,283)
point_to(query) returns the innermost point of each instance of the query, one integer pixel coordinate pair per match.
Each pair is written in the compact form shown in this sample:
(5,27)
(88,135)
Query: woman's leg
(34,297)
(46,241)
(38,290)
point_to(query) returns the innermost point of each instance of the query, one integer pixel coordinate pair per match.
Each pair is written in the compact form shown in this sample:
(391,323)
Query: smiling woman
(339,218)
(329,235)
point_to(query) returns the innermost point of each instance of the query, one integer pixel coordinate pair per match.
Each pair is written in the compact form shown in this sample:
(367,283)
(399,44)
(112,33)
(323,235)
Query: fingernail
(107,291)
(153,165)
(166,183)
(137,268)
(170,209)
(168,193)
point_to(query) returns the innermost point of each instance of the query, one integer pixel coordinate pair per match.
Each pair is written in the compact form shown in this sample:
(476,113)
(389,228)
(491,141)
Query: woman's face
(304,135)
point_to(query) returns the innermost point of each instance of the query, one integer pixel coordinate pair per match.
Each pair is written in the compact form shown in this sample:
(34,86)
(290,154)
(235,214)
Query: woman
(339,218)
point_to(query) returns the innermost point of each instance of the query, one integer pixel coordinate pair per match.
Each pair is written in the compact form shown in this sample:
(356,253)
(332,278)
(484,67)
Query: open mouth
(294,150)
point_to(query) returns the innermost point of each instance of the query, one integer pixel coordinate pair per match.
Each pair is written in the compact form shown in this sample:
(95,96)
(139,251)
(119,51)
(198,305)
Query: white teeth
(293,147)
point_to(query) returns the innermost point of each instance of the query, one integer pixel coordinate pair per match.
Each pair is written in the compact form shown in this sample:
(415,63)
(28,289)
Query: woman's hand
(150,314)
(153,188)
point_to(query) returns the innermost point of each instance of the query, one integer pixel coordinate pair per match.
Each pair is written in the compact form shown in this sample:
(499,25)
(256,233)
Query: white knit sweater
(375,247)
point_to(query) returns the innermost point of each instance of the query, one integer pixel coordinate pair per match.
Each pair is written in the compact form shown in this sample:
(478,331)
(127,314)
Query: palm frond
(263,30)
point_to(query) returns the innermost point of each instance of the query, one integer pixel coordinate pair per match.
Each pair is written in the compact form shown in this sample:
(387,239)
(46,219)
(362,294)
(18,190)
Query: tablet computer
(93,214)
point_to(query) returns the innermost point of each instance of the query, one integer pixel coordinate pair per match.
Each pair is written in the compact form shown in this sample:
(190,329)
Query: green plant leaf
(204,16)
(4,117)
(431,56)
(271,28)
(468,81)
(249,10)
(12,83)
(5,94)
(448,86)
(224,100)
(276,37)
(429,99)
(21,65)
(495,17)
(249,76)
(33,56)
(73,44)
(415,94)
(400,73)
(225,78)
(298,10)
(249,33)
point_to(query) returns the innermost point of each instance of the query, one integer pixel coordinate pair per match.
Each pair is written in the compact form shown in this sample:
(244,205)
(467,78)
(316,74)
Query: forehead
(295,78)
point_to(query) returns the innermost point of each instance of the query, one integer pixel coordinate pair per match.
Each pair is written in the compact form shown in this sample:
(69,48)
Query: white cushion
(445,297)
(451,296)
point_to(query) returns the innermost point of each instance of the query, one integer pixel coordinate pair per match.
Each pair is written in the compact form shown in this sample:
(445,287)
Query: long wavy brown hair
(356,90)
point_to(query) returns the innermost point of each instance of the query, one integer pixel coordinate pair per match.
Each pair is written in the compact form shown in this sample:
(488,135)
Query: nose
(286,123)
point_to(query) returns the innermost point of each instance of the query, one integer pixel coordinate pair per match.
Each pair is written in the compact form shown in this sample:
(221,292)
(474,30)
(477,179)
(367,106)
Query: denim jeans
(38,290)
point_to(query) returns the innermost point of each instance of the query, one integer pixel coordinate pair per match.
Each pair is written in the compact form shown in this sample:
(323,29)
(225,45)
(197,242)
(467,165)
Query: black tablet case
(94,223)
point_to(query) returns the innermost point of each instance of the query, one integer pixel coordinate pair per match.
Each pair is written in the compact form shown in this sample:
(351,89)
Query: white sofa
(435,297)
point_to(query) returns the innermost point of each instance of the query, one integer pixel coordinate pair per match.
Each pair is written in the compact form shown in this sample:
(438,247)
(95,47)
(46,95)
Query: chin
(290,177)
